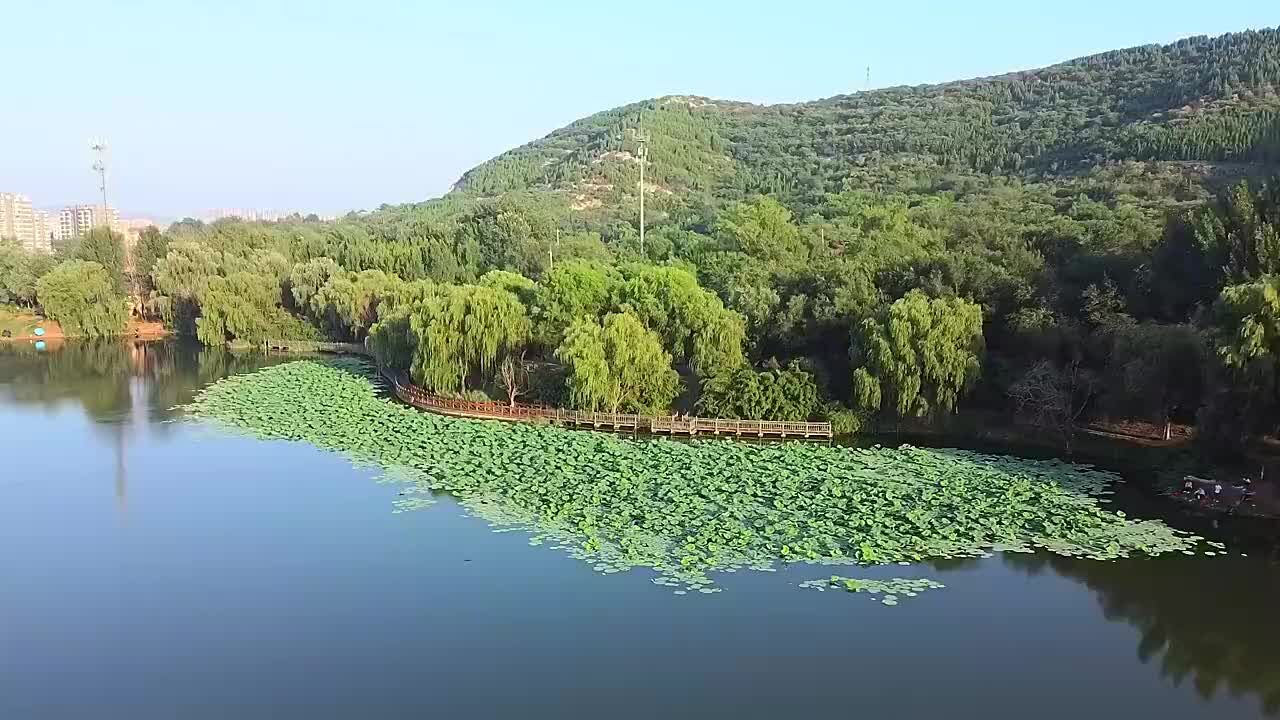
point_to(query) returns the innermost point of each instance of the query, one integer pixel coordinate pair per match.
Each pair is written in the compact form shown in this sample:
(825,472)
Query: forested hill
(1210,100)
(1045,248)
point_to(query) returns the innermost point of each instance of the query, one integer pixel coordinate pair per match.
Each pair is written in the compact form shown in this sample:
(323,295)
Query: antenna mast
(99,148)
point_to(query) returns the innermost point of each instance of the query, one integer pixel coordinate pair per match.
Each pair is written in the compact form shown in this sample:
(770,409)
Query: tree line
(1051,303)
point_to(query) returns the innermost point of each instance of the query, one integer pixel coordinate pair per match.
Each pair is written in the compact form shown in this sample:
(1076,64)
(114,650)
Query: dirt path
(53,331)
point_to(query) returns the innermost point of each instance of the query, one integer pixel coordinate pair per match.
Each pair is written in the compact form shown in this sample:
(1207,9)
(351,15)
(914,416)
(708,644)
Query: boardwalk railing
(759,428)
(315,346)
(618,422)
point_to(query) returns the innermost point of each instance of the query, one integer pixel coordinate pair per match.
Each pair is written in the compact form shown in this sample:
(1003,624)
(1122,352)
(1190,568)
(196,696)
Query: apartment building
(77,220)
(18,221)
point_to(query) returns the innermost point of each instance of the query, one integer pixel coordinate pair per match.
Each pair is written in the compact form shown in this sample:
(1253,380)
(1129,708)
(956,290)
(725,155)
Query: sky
(327,107)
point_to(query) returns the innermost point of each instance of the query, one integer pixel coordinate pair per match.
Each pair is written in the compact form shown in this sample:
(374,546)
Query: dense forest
(1095,240)
(1200,99)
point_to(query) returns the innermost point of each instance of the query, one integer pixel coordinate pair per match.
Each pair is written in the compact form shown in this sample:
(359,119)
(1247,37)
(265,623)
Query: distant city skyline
(44,230)
(337,106)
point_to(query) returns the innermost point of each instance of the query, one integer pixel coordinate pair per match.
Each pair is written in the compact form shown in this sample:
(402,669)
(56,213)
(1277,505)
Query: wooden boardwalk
(678,425)
(614,422)
(314,346)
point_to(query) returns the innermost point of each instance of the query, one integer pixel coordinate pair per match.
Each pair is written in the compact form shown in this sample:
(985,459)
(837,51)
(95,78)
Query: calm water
(158,569)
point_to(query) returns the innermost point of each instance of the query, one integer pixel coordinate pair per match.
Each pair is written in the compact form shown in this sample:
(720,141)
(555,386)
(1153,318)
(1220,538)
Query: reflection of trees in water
(92,373)
(1213,623)
(97,374)
(115,382)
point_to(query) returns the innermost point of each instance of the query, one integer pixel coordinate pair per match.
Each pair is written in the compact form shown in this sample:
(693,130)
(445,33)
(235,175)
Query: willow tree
(918,356)
(693,323)
(101,245)
(83,298)
(391,338)
(463,334)
(257,261)
(181,278)
(514,283)
(151,247)
(19,272)
(185,271)
(569,292)
(241,306)
(306,279)
(346,305)
(617,366)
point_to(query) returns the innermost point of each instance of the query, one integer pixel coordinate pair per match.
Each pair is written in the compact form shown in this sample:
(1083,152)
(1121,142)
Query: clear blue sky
(331,106)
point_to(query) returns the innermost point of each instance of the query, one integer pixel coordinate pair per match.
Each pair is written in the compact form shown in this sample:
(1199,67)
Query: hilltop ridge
(1202,99)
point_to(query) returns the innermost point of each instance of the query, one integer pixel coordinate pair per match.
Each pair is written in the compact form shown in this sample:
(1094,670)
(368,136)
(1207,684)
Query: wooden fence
(315,346)
(616,422)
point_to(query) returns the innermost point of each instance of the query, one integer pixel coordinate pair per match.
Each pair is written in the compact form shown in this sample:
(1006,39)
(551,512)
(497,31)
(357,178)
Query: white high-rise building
(77,220)
(43,223)
(18,221)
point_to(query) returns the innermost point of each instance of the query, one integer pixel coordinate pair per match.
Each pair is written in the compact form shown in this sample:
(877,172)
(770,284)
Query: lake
(156,568)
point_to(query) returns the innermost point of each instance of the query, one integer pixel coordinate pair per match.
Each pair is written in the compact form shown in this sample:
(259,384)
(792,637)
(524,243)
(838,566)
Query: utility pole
(867,84)
(551,251)
(642,139)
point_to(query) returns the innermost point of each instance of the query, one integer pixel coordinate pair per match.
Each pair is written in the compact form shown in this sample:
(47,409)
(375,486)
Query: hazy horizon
(324,108)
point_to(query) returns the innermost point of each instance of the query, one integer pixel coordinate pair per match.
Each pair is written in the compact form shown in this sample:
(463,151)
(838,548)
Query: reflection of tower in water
(122,473)
(136,380)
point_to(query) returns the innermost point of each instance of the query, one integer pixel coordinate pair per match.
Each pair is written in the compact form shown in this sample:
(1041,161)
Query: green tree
(617,366)
(186,270)
(1155,371)
(306,279)
(918,356)
(774,394)
(761,228)
(1185,272)
(19,271)
(241,306)
(571,291)
(83,298)
(102,246)
(514,283)
(347,305)
(512,233)
(392,340)
(462,335)
(181,279)
(1243,328)
(256,261)
(1243,228)
(693,323)
(152,246)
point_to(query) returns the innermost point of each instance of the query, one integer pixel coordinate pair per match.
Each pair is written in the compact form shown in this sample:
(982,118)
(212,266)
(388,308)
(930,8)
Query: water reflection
(116,381)
(123,386)
(1212,624)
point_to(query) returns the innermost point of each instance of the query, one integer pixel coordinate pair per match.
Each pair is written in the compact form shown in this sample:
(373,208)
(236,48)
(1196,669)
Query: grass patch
(18,321)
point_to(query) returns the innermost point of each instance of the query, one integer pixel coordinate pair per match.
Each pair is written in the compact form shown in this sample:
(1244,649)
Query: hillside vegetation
(1201,99)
